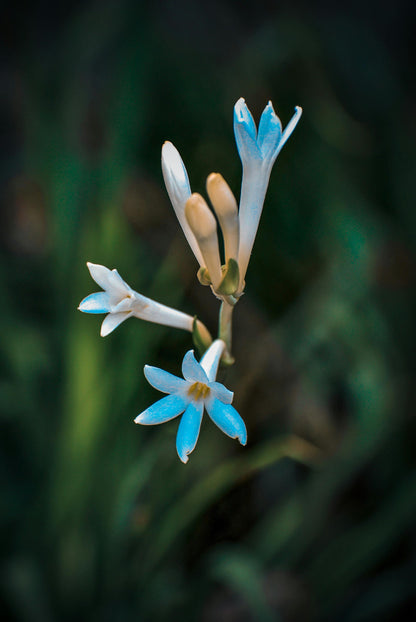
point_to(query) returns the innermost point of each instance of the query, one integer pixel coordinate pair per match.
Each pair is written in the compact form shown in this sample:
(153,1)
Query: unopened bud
(225,206)
(204,227)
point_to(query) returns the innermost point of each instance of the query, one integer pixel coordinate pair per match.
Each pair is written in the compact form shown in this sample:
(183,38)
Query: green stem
(225,331)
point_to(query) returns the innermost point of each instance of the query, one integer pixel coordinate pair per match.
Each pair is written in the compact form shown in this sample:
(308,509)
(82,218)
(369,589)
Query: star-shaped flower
(120,301)
(198,390)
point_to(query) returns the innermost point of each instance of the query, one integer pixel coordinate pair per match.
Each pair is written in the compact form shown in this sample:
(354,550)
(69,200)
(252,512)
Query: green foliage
(314,519)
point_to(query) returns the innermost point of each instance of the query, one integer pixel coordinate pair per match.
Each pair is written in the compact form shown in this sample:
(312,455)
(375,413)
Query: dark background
(314,519)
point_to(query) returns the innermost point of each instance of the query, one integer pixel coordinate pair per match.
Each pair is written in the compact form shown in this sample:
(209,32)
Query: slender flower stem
(225,331)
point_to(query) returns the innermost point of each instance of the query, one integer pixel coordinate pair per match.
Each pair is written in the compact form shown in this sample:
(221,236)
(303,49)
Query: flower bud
(204,227)
(225,206)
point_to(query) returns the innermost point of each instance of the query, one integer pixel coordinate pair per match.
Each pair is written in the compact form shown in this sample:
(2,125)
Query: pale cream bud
(204,227)
(225,206)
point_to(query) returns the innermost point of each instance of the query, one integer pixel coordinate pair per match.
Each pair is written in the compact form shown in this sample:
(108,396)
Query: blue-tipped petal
(270,132)
(163,410)
(188,430)
(95,303)
(243,117)
(111,321)
(192,370)
(227,419)
(245,132)
(162,380)
(221,392)
(290,126)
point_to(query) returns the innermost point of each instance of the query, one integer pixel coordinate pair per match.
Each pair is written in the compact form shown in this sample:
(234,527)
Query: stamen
(198,391)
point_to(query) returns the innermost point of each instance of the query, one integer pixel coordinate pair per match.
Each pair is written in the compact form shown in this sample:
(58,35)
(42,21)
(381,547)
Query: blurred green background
(315,519)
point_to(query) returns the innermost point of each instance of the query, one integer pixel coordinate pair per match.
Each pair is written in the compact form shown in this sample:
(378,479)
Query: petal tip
(166,145)
(269,106)
(241,111)
(81,307)
(242,438)
(184,458)
(169,151)
(104,332)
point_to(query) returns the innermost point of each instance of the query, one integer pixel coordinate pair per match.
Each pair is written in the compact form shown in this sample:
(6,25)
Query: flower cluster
(258,150)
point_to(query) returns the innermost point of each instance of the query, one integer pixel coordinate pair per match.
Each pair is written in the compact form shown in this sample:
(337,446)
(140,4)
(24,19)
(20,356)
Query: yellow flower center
(198,391)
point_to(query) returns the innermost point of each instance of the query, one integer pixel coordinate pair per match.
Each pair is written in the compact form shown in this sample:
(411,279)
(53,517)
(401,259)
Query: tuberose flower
(179,191)
(120,301)
(198,390)
(258,151)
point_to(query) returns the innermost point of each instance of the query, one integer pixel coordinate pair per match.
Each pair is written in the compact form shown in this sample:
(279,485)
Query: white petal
(111,321)
(174,173)
(188,431)
(118,284)
(107,279)
(95,303)
(124,305)
(163,381)
(179,191)
(221,392)
(163,410)
(227,419)
(192,370)
(211,359)
(100,274)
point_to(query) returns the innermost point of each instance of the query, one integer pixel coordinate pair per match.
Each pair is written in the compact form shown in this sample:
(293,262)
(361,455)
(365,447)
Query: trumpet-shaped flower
(179,191)
(190,395)
(258,151)
(120,302)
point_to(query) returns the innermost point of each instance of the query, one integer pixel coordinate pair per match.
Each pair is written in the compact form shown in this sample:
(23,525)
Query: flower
(258,152)
(189,396)
(179,191)
(122,302)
